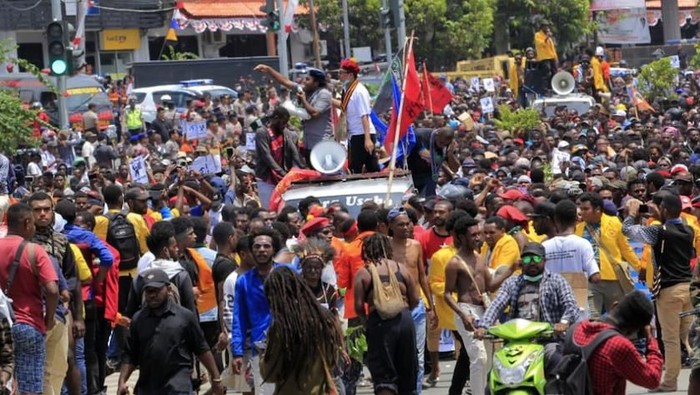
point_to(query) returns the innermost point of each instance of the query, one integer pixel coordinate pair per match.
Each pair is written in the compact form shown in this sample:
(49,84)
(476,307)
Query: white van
(579,102)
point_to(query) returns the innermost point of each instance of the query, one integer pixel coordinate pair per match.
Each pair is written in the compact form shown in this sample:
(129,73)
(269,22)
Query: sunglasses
(531,259)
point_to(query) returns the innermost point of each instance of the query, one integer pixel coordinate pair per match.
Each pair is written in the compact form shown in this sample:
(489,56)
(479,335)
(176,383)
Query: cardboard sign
(489,85)
(138,171)
(195,130)
(466,120)
(486,105)
(208,164)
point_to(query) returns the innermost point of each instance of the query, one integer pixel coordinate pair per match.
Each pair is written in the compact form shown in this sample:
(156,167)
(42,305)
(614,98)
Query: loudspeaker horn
(328,157)
(563,83)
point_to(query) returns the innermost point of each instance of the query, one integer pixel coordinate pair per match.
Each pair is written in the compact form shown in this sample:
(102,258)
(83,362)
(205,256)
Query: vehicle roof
(207,87)
(565,98)
(157,88)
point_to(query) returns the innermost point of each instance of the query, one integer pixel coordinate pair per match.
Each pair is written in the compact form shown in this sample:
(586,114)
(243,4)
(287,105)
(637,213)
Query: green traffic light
(59,67)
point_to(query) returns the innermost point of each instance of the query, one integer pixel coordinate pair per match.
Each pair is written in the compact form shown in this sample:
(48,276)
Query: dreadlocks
(376,247)
(302,328)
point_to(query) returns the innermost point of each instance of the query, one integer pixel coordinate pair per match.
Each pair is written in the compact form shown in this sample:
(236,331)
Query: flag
(435,95)
(385,98)
(406,143)
(287,21)
(410,105)
(174,25)
(638,100)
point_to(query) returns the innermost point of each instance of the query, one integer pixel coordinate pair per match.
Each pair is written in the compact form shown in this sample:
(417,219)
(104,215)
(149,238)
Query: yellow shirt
(505,252)
(140,227)
(598,80)
(615,243)
(532,235)
(436,281)
(692,221)
(84,272)
(647,260)
(544,47)
(514,78)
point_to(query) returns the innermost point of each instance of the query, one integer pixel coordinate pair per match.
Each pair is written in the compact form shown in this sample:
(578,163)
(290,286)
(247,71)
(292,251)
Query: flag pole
(397,126)
(425,81)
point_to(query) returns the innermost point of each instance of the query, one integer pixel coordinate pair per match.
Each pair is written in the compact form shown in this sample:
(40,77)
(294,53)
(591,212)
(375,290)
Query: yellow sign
(88,90)
(120,39)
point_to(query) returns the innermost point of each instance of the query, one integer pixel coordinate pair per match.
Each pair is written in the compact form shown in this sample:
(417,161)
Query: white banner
(624,26)
(601,5)
(195,130)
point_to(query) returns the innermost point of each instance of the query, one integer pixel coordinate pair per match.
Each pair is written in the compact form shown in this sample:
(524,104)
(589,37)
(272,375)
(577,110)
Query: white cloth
(478,358)
(229,289)
(570,254)
(33,169)
(261,388)
(145,261)
(359,106)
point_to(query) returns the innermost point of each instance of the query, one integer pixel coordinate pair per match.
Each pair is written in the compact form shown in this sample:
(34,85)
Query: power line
(9,4)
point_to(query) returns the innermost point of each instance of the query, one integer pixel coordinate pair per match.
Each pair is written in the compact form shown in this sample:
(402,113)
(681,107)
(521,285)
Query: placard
(250,141)
(207,164)
(475,84)
(138,170)
(487,105)
(489,86)
(675,62)
(195,130)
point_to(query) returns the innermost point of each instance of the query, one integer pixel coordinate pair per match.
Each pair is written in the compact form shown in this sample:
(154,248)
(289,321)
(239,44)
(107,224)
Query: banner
(624,26)
(602,5)
(410,101)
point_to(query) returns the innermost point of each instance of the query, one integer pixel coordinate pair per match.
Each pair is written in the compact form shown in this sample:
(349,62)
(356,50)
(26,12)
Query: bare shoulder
(413,243)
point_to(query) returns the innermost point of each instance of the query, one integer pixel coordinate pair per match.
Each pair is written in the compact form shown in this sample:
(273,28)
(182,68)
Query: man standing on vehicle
(315,99)
(355,104)
(546,52)
(133,118)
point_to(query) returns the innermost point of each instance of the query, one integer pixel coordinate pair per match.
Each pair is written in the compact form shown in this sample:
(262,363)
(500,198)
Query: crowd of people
(189,276)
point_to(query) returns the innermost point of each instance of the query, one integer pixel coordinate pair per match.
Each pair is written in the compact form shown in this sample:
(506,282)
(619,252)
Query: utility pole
(57,15)
(401,25)
(314,30)
(346,29)
(387,37)
(281,42)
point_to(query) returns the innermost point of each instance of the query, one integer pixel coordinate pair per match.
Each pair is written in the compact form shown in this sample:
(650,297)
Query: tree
(569,21)
(173,54)
(16,120)
(656,79)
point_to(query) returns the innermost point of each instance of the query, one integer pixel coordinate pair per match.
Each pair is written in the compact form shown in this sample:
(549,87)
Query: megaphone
(563,83)
(328,157)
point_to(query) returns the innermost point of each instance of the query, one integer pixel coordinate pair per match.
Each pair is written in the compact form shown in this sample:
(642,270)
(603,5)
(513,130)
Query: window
(114,63)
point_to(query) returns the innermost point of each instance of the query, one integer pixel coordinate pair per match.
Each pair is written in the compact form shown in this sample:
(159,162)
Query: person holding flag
(356,108)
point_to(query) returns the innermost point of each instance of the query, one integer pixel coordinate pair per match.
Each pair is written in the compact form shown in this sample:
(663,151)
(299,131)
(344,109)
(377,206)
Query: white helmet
(599,51)
(166,98)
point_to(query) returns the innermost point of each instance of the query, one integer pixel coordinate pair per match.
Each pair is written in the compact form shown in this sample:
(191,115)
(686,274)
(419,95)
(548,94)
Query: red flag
(639,101)
(410,100)
(435,94)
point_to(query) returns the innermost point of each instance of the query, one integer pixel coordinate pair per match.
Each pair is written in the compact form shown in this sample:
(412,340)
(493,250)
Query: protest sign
(486,105)
(138,171)
(195,130)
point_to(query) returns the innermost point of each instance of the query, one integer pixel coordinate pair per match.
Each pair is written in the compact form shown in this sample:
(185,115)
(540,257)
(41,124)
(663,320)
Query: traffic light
(272,20)
(60,55)
(386,20)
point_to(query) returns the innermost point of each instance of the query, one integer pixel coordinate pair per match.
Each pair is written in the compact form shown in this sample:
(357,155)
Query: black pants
(97,330)
(391,353)
(360,158)
(460,375)
(120,332)
(211,331)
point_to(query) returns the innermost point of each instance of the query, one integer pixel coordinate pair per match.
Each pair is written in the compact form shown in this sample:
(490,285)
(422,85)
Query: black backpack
(571,376)
(122,236)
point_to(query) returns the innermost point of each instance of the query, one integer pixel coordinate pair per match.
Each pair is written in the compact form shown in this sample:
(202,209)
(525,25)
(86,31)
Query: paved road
(446,368)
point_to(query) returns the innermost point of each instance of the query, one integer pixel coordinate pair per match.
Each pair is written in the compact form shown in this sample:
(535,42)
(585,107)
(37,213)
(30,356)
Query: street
(446,368)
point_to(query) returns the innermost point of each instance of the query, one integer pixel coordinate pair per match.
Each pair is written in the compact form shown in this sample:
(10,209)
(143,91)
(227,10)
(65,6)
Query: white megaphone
(328,157)
(563,83)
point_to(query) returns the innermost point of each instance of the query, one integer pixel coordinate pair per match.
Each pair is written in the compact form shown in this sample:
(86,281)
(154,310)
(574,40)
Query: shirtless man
(461,273)
(410,253)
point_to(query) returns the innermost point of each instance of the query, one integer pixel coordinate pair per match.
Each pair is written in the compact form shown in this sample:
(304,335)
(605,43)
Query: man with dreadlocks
(304,340)
(391,342)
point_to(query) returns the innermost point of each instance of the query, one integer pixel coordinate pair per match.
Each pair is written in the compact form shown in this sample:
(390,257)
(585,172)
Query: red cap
(350,65)
(514,215)
(315,225)
(519,141)
(511,194)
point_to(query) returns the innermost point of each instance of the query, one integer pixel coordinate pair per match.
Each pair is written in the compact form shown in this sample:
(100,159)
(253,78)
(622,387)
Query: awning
(225,15)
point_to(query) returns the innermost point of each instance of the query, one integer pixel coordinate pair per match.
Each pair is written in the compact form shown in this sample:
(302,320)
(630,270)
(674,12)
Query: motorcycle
(518,367)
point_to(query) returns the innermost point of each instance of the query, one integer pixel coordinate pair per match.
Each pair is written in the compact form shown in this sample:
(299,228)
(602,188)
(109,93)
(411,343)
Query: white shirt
(359,106)
(87,151)
(570,254)
(229,288)
(33,169)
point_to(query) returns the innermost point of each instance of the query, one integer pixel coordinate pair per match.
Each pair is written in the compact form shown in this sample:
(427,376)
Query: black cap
(155,278)
(532,248)
(543,209)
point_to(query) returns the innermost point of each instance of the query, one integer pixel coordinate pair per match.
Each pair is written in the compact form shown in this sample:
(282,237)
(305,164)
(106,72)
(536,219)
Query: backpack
(387,298)
(571,375)
(122,236)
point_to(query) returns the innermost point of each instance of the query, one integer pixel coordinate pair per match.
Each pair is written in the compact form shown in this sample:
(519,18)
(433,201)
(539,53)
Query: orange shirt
(349,264)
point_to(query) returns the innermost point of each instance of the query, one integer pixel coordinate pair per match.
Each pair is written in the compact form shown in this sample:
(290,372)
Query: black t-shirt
(419,166)
(220,270)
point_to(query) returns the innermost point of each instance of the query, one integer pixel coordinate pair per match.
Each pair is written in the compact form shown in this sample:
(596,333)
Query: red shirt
(26,287)
(617,360)
(431,243)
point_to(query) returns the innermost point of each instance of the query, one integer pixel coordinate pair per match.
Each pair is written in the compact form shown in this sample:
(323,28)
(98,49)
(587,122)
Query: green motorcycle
(518,367)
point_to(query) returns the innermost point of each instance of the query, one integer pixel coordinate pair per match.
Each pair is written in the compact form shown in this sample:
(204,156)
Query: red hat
(511,194)
(514,215)
(519,141)
(350,65)
(315,225)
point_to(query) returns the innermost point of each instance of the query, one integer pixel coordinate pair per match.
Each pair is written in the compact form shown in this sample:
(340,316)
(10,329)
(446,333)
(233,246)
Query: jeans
(478,368)
(264,192)
(671,301)
(80,361)
(419,319)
